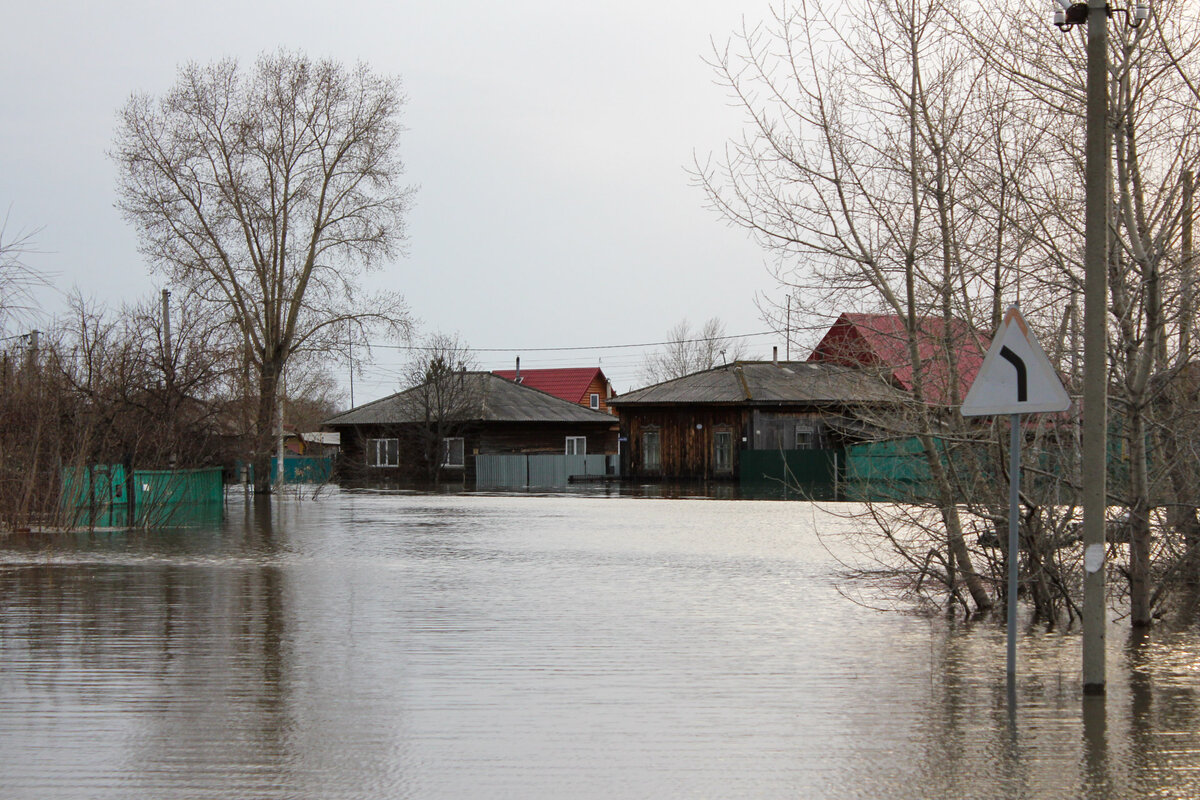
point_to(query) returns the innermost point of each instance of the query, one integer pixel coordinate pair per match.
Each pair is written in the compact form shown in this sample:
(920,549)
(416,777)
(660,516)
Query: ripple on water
(436,646)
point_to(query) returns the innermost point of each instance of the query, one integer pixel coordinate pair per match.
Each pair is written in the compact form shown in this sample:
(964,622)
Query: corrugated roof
(569,383)
(769,383)
(881,340)
(490,397)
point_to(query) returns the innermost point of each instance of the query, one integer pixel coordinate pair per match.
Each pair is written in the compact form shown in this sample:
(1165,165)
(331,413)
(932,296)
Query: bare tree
(135,400)
(17,278)
(441,398)
(266,194)
(689,350)
(101,389)
(1153,95)
(925,165)
(851,172)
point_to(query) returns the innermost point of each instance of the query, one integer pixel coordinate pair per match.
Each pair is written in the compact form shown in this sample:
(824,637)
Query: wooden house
(585,386)
(699,426)
(950,353)
(432,433)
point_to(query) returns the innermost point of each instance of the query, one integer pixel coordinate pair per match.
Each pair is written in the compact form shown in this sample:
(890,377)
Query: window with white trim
(805,437)
(594,402)
(383,452)
(454,452)
(577,445)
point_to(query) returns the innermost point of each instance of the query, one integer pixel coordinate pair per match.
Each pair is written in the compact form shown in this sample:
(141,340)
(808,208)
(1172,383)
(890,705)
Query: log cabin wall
(685,439)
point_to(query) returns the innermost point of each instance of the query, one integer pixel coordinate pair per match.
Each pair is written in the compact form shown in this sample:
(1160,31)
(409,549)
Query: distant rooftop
(769,383)
(881,341)
(488,398)
(570,383)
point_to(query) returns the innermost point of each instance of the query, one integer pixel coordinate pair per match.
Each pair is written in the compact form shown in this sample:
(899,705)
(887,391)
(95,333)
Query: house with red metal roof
(950,353)
(585,386)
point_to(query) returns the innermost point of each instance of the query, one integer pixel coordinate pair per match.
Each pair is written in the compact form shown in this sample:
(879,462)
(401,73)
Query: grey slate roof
(769,383)
(496,399)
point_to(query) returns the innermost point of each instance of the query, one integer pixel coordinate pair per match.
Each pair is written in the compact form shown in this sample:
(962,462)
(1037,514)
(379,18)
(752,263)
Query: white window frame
(576,446)
(448,453)
(810,434)
(389,449)
(594,402)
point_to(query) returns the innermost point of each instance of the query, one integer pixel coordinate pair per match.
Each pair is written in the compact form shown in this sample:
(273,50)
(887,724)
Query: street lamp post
(1095,292)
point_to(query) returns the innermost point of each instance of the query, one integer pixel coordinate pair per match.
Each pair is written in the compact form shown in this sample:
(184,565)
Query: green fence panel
(96,496)
(302,469)
(808,474)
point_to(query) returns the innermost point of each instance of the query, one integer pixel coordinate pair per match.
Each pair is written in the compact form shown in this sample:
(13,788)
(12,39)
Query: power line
(411,347)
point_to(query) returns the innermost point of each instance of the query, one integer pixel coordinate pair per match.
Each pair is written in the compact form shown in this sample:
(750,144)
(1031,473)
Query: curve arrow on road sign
(1016,377)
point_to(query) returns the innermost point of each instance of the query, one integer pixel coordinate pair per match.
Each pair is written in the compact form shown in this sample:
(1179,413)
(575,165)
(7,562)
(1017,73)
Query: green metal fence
(791,474)
(101,496)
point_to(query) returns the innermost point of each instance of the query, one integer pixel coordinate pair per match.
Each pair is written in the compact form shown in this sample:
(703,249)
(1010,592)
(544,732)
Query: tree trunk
(264,426)
(1139,522)
(954,532)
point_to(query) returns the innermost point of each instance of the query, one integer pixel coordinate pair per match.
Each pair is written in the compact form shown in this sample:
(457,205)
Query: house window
(383,452)
(453,452)
(651,455)
(594,402)
(805,437)
(577,445)
(722,451)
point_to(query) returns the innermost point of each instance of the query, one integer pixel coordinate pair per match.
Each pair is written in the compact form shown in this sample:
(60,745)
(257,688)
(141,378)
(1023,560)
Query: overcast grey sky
(550,143)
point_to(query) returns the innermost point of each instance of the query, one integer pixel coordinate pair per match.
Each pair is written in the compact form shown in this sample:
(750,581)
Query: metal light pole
(1095,299)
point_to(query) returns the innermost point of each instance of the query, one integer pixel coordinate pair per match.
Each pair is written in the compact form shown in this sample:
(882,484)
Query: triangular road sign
(1015,377)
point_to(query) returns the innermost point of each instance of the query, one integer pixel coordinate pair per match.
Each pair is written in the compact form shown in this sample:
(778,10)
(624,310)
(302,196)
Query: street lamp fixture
(1068,15)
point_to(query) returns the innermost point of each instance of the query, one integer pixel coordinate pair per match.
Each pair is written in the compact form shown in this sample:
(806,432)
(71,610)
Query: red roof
(570,384)
(880,340)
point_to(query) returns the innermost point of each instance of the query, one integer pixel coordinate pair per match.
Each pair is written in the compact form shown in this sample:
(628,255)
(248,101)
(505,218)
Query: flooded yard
(430,646)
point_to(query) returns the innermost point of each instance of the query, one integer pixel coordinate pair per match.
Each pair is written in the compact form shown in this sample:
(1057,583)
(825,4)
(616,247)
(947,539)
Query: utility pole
(1095,338)
(788,330)
(169,377)
(33,347)
(1097,186)
(168,366)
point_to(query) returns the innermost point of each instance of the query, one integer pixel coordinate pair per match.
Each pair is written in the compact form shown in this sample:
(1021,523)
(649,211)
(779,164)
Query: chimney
(775,355)
(517,379)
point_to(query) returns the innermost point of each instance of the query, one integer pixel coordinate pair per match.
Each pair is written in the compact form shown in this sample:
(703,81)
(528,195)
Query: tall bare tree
(266,193)
(927,162)
(690,350)
(1155,124)
(851,171)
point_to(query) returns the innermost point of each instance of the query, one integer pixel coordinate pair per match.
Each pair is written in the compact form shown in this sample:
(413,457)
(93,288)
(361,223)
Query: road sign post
(1015,378)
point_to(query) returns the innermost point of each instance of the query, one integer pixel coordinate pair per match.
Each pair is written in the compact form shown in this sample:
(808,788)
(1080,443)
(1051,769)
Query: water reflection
(481,646)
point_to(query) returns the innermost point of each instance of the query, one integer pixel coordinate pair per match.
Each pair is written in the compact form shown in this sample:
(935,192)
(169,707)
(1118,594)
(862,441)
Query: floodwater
(431,646)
